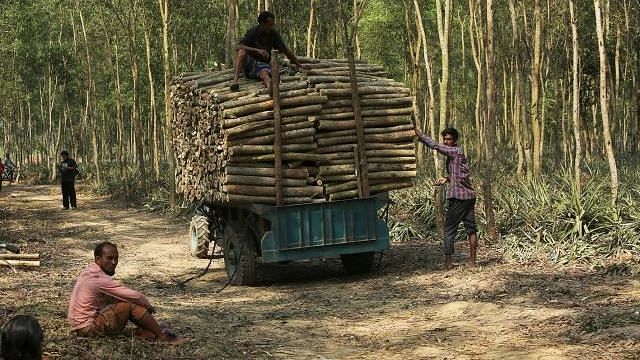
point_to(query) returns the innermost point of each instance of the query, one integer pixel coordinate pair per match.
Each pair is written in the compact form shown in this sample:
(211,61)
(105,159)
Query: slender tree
(168,132)
(604,104)
(535,89)
(575,97)
(490,125)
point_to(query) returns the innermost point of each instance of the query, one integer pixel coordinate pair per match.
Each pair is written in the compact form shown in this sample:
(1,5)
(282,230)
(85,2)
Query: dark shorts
(113,319)
(253,67)
(458,211)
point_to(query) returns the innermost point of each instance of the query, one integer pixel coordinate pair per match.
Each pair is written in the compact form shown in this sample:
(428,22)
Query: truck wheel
(199,236)
(239,254)
(357,263)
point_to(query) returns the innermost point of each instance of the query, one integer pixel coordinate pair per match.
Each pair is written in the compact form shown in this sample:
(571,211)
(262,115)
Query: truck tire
(199,236)
(239,253)
(360,263)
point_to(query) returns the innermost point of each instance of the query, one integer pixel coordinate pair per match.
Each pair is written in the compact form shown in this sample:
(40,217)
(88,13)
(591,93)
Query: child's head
(21,339)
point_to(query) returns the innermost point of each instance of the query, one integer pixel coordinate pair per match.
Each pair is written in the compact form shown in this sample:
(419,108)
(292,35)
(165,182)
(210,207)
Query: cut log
(264,115)
(267,171)
(268,105)
(262,180)
(268,149)
(248,199)
(252,190)
(373,167)
(10,256)
(370,146)
(397,137)
(374,189)
(365,113)
(365,90)
(25,263)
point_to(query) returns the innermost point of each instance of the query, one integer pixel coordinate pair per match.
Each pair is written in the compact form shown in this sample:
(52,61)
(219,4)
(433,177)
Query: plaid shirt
(459,183)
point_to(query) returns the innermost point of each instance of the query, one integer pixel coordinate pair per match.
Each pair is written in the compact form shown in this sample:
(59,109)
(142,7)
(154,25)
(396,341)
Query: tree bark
(535,89)
(490,127)
(152,103)
(231,32)
(437,196)
(168,132)
(135,111)
(604,105)
(311,28)
(575,99)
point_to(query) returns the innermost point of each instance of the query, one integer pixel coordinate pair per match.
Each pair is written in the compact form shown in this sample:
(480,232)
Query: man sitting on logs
(254,51)
(101,306)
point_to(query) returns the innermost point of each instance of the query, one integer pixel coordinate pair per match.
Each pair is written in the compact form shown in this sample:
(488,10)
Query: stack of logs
(26,260)
(224,139)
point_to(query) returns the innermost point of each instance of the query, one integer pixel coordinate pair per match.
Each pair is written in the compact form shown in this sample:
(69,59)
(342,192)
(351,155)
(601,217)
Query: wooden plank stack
(223,139)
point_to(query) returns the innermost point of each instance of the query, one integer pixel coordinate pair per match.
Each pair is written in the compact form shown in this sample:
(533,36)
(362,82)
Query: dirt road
(408,309)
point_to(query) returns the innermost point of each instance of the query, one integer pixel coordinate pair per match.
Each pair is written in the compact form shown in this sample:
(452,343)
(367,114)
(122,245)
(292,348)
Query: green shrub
(543,217)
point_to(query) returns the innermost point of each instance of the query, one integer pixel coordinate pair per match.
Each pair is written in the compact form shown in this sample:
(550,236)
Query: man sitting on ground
(101,306)
(254,51)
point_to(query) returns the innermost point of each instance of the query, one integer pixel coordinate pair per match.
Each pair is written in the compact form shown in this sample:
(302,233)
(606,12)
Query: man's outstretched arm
(432,144)
(292,57)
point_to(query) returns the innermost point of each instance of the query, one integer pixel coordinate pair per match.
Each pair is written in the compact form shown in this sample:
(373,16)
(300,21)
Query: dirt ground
(407,309)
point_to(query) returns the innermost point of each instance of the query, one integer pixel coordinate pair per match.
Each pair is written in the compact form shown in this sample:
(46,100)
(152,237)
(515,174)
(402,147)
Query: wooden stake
(363,174)
(277,130)
(20,256)
(26,263)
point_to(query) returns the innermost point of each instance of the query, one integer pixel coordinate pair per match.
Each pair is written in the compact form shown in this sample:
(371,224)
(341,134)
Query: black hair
(22,339)
(264,16)
(98,250)
(450,131)
(64,152)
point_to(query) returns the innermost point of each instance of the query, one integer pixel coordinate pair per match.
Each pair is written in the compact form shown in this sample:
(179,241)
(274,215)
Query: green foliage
(544,217)
(412,211)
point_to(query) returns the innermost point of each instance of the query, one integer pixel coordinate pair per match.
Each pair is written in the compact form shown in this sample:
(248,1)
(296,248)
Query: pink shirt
(93,291)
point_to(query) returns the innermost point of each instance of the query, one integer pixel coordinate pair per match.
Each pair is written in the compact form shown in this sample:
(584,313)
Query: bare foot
(448,265)
(173,340)
(143,334)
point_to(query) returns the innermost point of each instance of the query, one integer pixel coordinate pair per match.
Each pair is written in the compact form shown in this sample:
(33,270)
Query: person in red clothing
(461,195)
(100,305)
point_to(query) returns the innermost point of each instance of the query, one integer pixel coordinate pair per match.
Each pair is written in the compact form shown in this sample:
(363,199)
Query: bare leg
(473,245)
(266,78)
(149,326)
(448,262)
(241,55)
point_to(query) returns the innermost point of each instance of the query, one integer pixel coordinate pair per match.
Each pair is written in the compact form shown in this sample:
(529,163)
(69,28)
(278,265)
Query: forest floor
(408,309)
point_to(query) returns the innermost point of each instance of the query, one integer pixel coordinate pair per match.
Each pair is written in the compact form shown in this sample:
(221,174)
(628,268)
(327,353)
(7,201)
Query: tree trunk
(231,32)
(152,104)
(535,89)
(90,113)
(490,126)
(168,132)
(604,105)
(138,139)
(518,97)
(311,28)
(439,210)
(575,99)
(444,19)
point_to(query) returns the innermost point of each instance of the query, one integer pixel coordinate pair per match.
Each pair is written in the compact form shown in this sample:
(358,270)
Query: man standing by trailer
(68,170)
(460,193)
(254,51)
